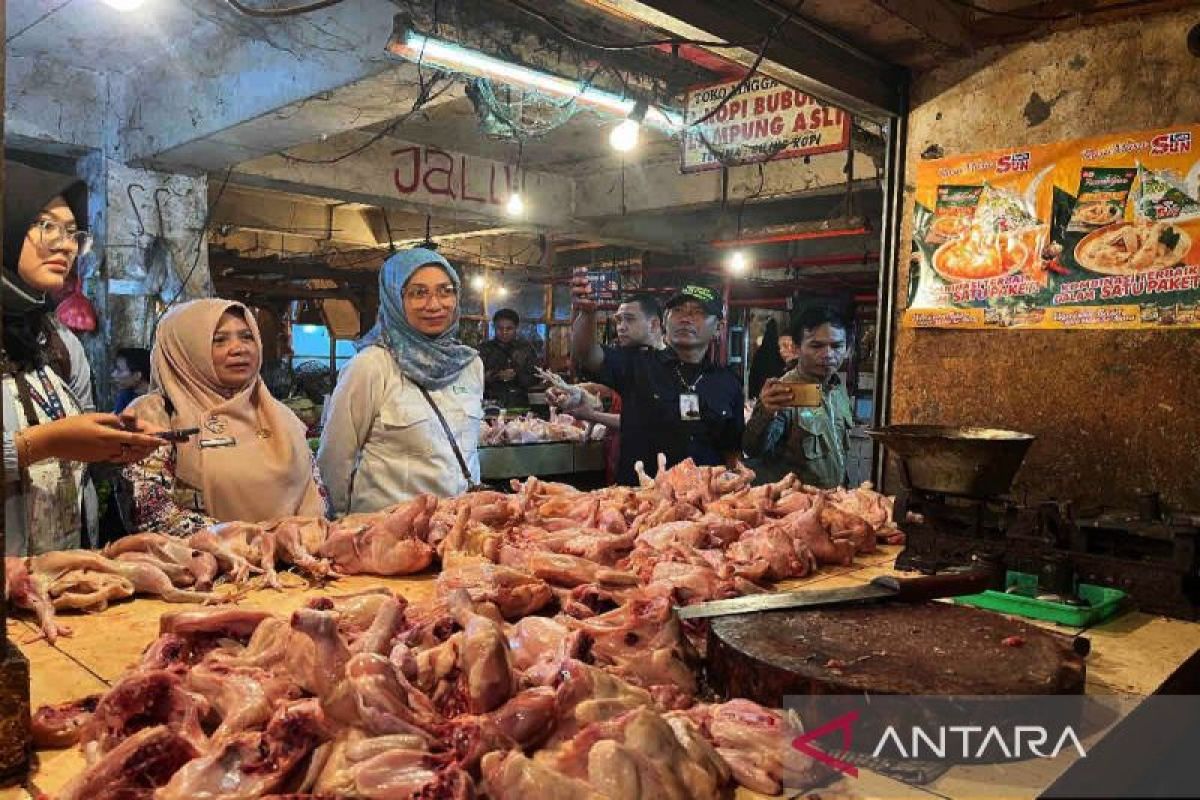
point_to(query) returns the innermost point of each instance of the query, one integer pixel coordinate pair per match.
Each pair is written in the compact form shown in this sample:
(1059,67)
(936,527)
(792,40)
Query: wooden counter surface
(1135,653)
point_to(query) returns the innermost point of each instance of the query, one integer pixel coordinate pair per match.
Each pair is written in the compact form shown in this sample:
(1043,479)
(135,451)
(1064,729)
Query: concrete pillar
(121,277)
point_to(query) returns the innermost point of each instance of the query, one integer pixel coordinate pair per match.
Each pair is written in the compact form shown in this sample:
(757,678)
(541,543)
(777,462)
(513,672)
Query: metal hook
(158,209)
(133,204)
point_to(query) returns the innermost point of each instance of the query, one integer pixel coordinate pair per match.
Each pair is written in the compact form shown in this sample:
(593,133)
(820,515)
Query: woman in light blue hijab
(404,419)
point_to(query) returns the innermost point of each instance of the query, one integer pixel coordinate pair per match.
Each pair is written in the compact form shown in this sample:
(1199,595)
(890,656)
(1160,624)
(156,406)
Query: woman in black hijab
(767,361)
(46,385)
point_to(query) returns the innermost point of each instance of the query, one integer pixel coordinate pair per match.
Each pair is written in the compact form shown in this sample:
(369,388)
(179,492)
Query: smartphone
(178,434)
(803,394)
(605,285)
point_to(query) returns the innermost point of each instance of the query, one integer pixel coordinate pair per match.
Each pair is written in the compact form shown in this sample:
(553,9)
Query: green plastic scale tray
(1020,601)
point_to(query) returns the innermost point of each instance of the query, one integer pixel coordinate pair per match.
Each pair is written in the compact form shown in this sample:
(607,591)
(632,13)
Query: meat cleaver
(886,587)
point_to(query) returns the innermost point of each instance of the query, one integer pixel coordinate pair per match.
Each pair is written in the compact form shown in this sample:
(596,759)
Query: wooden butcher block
(888,648)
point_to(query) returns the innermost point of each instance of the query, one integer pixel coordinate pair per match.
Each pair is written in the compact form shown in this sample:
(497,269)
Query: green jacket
(812,442)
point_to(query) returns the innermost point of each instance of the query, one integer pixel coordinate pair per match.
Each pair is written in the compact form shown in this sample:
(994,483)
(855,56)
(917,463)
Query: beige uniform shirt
(382,443)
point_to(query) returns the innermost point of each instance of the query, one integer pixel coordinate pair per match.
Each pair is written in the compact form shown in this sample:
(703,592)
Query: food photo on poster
(1091,233)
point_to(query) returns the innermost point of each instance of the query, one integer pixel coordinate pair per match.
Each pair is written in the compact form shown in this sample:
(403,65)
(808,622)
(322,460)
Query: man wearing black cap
(674,401)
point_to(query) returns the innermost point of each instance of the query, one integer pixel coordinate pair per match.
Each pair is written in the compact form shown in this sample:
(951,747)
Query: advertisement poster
(1093,233)
(765,120)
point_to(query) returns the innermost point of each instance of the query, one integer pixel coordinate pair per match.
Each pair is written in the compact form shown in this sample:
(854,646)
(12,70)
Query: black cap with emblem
(704,295)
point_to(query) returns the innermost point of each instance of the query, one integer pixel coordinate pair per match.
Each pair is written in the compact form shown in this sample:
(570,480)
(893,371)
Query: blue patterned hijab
(431,361)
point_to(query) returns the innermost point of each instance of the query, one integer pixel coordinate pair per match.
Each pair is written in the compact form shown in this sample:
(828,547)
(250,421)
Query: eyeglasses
(421,294)
(51,233)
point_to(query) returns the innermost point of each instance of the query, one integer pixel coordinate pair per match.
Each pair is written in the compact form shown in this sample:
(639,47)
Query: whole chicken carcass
(391,543)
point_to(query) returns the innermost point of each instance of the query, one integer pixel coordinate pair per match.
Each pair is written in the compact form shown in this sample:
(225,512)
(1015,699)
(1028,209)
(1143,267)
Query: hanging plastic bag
(74,309)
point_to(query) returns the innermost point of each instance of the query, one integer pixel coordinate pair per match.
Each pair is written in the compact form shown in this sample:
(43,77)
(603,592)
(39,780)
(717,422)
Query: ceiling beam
(801,54)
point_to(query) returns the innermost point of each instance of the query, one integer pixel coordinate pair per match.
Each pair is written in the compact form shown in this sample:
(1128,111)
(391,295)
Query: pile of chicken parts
(530,429)
(549,662)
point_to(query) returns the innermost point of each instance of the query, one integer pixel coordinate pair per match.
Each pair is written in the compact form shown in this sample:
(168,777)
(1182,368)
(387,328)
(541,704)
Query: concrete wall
(1114,411)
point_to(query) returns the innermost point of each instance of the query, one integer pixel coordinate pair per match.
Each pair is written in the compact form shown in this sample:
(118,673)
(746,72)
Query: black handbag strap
(462,462)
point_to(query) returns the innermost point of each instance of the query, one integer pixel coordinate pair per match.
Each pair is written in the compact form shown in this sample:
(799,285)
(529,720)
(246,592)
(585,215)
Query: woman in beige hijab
(250,461)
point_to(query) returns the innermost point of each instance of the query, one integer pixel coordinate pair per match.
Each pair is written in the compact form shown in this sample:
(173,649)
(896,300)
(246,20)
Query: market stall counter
(1134,654)
(511,641)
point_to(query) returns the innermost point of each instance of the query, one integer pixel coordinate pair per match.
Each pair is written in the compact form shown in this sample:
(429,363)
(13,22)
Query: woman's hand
(89,438)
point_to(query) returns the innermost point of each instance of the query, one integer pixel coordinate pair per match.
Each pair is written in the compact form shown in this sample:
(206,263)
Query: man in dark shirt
(674,401)
(508,362)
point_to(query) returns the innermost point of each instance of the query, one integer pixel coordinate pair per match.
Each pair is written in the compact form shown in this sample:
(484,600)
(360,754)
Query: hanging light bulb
(624,137)
(738,262)
(502,291)
(515,206)
(478,283)
(124,5)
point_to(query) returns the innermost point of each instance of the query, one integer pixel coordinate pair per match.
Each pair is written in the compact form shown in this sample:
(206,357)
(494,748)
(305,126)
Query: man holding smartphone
(810,440)
(675,401)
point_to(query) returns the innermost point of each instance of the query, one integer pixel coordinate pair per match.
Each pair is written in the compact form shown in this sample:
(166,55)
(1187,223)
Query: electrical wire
(578,38)
(1051,18)
(278,13)
(418,104)
(423,97)
(758,59)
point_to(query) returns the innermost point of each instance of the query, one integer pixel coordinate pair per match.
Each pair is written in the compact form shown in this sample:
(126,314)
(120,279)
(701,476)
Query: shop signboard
(764,120)
(1092,233)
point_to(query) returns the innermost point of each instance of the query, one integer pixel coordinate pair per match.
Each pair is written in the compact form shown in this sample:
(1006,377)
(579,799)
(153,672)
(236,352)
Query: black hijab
(29,338)
(767,361)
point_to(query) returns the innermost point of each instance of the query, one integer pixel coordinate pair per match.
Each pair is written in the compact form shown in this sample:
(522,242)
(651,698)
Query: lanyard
(692,386)
(50,403)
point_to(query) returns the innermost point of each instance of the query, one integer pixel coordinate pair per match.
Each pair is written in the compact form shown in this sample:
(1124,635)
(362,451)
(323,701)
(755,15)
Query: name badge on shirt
(689,406)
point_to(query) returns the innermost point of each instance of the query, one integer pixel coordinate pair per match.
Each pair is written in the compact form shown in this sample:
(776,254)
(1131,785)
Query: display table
(1135,653)
(541,459)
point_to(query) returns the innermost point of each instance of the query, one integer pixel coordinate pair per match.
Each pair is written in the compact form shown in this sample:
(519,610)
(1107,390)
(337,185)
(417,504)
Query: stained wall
(1115,412)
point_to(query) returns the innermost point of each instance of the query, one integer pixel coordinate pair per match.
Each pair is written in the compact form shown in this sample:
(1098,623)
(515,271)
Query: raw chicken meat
(28,590)
(134,768)
(56,726)
(364,695)
(514,592)
(144,699)
(640,755)
(383,544)
(299,541)
(173,554)
(253,763)
(756,744)
(513,776)
(483,656)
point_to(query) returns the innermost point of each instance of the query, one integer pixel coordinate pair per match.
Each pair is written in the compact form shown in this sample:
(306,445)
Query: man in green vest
(811,441)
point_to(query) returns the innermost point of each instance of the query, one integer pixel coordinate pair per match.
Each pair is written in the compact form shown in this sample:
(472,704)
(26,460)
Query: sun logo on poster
(1170,143)
(1013,162)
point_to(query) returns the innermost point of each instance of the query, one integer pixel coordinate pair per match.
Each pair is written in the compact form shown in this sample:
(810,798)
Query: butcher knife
(886,587)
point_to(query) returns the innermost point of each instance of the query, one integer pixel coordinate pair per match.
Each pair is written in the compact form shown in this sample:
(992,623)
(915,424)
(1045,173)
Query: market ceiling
(309,122)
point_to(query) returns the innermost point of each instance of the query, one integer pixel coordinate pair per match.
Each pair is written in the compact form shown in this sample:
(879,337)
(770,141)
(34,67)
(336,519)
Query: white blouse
(383,444)
(45,514)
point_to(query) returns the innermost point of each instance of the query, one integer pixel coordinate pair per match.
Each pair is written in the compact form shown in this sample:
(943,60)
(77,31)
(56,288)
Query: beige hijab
(268,473)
